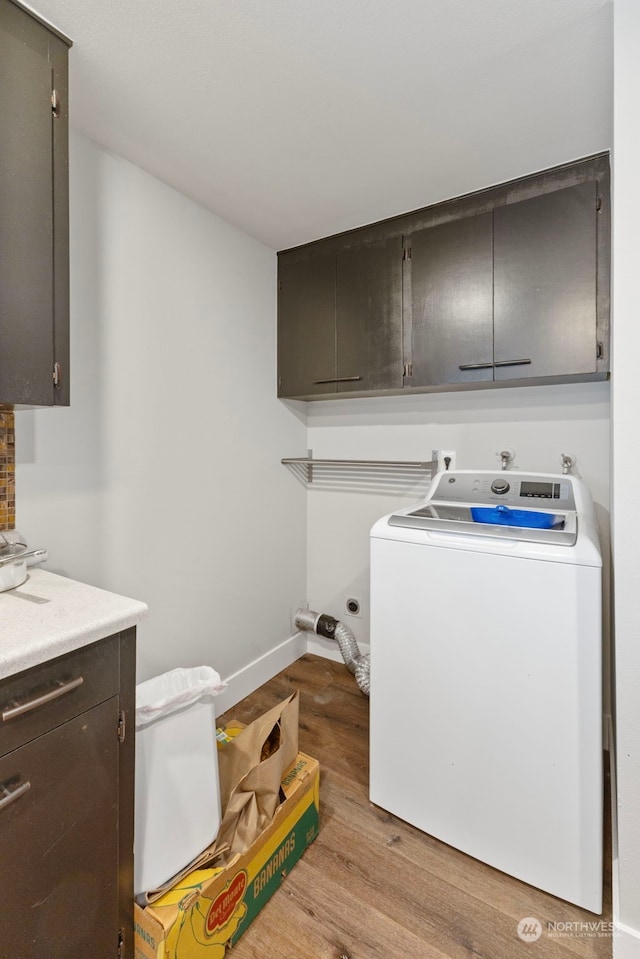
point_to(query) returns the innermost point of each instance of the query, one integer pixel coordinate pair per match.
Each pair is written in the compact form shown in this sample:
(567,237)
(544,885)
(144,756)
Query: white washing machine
(486,665)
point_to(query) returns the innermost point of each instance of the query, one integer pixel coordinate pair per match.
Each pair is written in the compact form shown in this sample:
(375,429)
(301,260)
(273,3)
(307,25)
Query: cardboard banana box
(210,908)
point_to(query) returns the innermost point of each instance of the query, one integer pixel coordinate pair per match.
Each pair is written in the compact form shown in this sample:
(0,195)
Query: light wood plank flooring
(373,887)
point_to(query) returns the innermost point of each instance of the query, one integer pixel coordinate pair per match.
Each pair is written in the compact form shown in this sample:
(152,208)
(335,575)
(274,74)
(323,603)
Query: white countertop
(50,615)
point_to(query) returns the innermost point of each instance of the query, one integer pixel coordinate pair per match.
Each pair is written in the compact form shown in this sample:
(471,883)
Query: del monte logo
(223,906)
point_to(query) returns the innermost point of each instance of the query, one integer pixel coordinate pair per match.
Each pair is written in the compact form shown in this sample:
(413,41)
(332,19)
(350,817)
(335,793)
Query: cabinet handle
(10,795)
(60,689)
(338,379)
(476,366)
(511,362)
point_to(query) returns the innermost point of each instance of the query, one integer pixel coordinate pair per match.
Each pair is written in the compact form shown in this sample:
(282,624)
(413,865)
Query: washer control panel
(515,489)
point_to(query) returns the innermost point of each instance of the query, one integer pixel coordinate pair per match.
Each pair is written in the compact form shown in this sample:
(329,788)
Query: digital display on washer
(540,490)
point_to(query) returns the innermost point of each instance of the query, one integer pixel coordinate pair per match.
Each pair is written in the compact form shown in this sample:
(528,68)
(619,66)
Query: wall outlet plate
(353,606)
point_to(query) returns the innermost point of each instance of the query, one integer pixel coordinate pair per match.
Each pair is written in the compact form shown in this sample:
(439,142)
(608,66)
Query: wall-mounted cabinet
(449,271)
(340,320)
(545,284)
(507,286)
(34,241)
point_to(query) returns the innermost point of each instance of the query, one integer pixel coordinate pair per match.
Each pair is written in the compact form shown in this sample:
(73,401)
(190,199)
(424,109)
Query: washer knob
(500,486)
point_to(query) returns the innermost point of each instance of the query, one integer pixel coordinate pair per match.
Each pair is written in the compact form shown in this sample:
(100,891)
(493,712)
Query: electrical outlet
(445,459)
(353,606)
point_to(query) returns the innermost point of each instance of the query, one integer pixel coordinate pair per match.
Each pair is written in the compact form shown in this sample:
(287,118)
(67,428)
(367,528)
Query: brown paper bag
(251,768)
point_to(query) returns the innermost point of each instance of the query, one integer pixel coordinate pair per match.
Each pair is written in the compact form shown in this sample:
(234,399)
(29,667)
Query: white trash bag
(174,690)
(177,808)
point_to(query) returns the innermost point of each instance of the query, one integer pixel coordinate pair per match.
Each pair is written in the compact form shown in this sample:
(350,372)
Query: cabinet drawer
(41,698)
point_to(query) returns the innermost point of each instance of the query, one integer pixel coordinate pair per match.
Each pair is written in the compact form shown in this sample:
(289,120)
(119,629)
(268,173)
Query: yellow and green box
(211,908)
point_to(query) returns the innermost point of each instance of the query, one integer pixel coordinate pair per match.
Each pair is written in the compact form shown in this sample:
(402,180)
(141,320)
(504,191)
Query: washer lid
(502,522)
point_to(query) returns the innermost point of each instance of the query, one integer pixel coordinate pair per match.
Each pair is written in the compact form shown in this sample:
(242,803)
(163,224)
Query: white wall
(538,423)
(163,480)
(626,458)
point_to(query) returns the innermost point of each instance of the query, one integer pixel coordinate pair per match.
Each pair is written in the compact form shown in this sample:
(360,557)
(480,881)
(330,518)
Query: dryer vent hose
(325,625)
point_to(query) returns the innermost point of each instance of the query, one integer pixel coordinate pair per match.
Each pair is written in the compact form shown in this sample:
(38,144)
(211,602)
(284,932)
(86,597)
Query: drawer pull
(476,366)
(338,379)
(60,689)
(10,795)
(512,362)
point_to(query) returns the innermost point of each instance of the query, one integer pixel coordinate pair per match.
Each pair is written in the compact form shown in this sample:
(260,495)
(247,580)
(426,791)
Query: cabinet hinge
(406,253)
(599,351)
(598,203)
(56,107)
(407,369)
(121,943)
(57,376)
(122,726)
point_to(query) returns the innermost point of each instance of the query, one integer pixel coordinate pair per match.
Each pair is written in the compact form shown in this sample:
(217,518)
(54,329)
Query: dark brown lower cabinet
(59,858)
(66,804)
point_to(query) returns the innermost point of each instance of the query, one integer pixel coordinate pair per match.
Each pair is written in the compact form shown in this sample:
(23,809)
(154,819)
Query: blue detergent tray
(526,519)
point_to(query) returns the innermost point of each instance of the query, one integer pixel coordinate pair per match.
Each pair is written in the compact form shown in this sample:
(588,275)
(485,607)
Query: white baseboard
(251,677)
(246,680)
(626,942)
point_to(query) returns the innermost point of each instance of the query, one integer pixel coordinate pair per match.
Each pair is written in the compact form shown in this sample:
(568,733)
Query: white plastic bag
(174,690)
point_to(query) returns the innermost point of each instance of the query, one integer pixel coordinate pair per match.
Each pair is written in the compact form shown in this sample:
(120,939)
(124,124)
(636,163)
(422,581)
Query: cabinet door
(59,841)
(452,302)
(545,284)
(369,316)
(26,222)
(34,254)
(306,324)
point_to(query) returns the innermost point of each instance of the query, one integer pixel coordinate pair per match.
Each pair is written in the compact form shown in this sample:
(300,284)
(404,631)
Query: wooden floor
(373,887)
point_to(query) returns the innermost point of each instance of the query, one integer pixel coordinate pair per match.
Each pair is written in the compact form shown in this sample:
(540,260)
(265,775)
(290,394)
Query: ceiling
(296,119)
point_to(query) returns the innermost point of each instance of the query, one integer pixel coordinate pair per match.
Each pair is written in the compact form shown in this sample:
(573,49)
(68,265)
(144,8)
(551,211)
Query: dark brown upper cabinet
(34,217)
(307,324)
(506,286)
(450,279)
(545,271)
(340,319)
(508,294)
(369,316)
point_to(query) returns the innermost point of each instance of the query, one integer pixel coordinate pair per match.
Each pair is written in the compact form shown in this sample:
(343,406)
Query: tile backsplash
(7,471)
